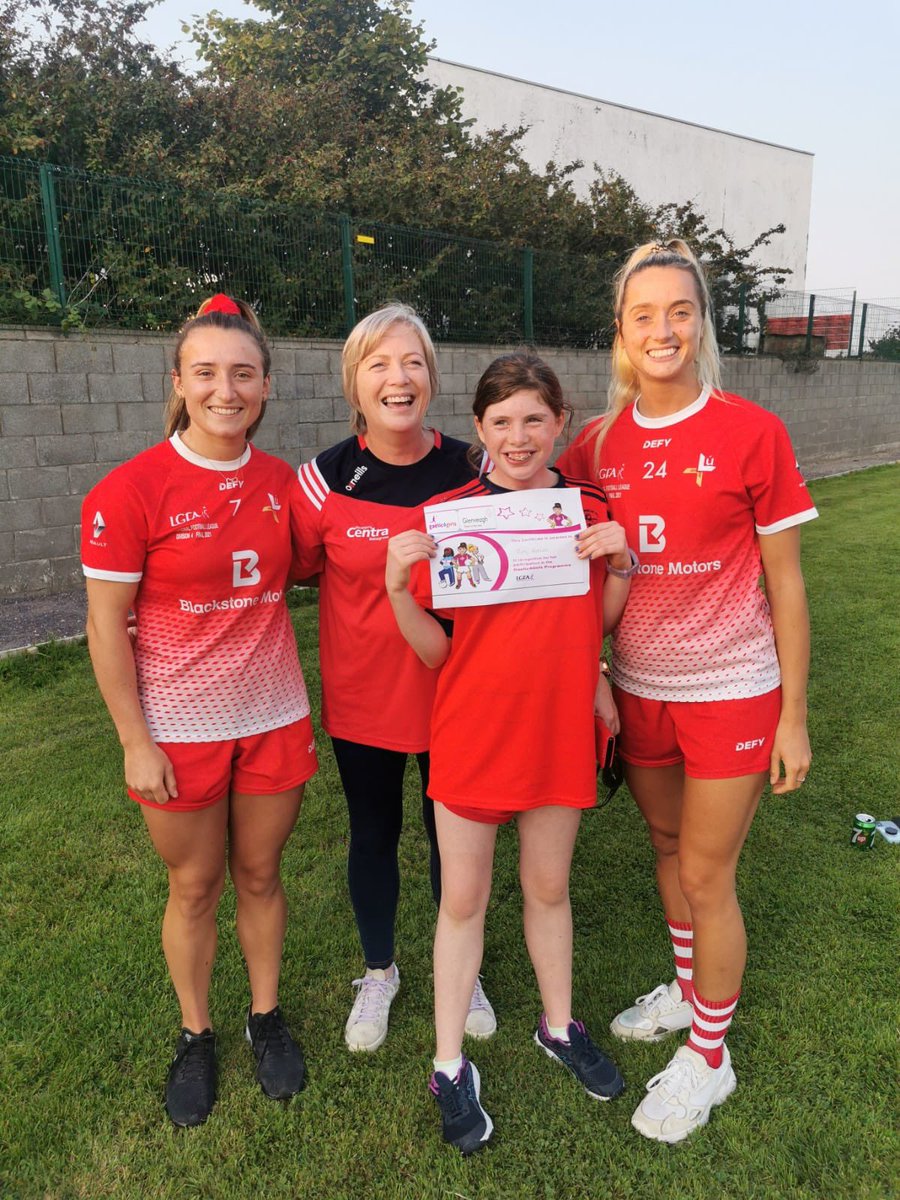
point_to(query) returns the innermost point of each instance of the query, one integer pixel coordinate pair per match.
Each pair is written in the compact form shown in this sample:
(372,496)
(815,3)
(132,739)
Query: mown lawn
(88,1017)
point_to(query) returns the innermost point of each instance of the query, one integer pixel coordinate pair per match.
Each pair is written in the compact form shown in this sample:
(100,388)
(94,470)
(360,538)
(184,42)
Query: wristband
(635,563)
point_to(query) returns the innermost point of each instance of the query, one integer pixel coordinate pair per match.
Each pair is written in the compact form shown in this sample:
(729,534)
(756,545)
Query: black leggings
(373,784)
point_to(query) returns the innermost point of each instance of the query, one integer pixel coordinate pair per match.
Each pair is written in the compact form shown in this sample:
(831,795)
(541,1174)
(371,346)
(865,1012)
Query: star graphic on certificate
(505,512)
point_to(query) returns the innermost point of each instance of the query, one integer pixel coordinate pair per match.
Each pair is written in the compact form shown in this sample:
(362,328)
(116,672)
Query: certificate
(513,546)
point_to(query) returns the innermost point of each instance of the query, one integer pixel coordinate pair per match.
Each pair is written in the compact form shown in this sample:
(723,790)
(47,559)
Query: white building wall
(743,185)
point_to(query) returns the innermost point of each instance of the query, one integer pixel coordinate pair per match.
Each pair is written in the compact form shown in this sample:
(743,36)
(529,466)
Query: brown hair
(364,338)
(520,371)
(175,415)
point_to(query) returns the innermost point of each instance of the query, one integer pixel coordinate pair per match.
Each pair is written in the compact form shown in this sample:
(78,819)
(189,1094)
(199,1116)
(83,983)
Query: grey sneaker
(481,1021)
(654,1016)
(367,1024)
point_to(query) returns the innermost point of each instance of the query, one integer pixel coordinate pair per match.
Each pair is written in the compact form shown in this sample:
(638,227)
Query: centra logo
(367,531)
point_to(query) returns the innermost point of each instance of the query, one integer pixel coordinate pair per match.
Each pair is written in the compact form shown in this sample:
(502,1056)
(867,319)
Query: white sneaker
(367,1024)
(481,1021)
(679,1099)
(655,1016)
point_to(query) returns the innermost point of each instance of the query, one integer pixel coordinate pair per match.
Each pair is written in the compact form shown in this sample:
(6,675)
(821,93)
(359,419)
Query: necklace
(231,473)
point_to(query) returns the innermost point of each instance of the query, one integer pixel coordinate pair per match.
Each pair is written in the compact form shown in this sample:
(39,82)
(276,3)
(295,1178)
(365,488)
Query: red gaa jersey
(513,723)
(375,689)
(694,491)
(210,549)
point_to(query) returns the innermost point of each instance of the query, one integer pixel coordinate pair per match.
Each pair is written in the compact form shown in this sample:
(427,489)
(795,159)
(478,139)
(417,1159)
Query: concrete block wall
(71,408)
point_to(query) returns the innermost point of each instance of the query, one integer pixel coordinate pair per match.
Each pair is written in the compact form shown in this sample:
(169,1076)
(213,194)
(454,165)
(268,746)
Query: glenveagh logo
(371,532)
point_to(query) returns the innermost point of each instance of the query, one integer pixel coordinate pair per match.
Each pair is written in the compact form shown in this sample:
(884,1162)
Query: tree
(307,109)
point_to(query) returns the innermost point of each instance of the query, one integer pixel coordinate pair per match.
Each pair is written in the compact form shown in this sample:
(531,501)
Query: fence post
(528,292)
(852,316)
(51,230)
(347,264)
(809,325)
(761,312)
(742,307)
(862,329)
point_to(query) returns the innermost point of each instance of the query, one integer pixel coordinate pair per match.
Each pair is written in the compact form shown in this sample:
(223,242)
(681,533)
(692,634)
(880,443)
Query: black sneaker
(598,1075)
(280,1067)
(465,1123)
(191,1085)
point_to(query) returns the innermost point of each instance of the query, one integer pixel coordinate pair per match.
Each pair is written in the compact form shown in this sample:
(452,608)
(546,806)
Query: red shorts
(493,816)
(715,739)
(260,765)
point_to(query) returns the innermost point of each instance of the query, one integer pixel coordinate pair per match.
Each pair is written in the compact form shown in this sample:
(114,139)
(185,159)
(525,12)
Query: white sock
(560,1032)
(451,1068)
(387,973)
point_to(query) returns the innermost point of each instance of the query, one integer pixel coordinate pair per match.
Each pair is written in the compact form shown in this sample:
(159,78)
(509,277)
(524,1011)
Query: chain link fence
(85,251)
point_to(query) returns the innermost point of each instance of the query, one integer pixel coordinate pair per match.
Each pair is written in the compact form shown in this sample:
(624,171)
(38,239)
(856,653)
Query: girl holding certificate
(528,670)
(710,673)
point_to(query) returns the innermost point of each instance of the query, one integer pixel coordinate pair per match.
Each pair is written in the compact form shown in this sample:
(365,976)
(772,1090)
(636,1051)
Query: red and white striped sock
(683,948)
(711,1021)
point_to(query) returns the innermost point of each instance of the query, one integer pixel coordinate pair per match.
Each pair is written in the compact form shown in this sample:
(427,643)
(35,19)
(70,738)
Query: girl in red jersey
(530,672)
(710,673)
(208,701)
(376,694)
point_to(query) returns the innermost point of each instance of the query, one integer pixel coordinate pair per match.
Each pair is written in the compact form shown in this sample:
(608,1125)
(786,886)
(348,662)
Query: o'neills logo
(367,531)
(355,478)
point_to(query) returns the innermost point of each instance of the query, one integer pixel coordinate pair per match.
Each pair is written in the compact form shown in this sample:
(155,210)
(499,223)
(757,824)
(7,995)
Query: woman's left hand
(790,749)
(606,540)
(605,706)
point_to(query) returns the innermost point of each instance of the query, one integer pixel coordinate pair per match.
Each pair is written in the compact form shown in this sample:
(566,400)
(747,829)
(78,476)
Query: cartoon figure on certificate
(558,518)
(447,573)
(477,570)
(462,559)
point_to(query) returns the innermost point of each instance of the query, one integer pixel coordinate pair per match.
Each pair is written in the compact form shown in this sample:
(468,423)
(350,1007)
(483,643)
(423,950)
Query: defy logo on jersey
(244,572)
(370,532)
(651,534)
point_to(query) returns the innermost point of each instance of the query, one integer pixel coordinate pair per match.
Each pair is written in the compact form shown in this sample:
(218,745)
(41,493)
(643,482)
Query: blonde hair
(364,338)
(624,386)
(175,417)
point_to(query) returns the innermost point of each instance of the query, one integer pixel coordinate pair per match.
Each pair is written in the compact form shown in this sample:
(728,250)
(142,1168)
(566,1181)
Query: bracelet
(635,563)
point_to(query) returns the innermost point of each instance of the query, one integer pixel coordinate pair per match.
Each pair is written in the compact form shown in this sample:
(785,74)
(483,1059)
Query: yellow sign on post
(365,239)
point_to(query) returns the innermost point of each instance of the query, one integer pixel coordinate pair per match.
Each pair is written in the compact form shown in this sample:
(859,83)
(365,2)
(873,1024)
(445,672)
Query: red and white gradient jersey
(375,689)
(694,492)
(210,548)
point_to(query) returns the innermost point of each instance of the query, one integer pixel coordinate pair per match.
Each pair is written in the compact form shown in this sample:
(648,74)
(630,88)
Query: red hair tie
(219,303)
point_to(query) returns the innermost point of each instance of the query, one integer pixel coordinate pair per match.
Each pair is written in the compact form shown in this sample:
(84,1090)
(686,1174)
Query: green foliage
(888,345)
(45,309)
(308,106)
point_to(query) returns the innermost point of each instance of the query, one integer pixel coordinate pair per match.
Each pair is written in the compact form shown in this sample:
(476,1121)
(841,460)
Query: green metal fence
(93,250)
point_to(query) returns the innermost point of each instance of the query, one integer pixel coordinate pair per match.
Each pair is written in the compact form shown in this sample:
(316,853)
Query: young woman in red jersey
(710,672)
(208,700)
(516,698)
(376,694)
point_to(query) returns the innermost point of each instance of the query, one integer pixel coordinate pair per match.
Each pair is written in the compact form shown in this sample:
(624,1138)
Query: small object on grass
(862,836)
(889,830)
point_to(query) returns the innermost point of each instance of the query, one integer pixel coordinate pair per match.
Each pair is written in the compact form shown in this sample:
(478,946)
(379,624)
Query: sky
(818,76)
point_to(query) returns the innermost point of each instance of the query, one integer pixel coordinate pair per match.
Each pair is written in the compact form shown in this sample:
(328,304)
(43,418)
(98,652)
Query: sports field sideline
(88,1016)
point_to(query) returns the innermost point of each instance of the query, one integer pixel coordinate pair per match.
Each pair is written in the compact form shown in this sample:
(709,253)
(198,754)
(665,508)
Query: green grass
(88,1016)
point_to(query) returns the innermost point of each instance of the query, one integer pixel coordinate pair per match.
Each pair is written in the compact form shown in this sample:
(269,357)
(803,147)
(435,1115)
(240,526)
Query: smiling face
(660,326)
(518,434)
(222,382)
(393,386)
